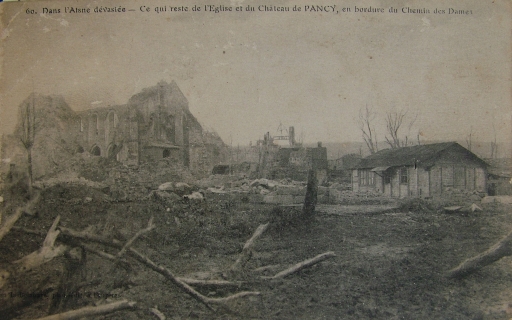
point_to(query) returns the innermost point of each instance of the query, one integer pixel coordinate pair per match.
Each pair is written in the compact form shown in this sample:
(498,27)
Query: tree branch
(150,227)
(91,311)
(220,283)
(304,264)
(152,265)
(246,253)
(157,313)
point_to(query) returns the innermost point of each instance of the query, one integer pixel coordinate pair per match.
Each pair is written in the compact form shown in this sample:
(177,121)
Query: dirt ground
(388,265)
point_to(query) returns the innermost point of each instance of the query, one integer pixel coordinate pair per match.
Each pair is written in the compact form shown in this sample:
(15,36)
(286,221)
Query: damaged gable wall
(56,139)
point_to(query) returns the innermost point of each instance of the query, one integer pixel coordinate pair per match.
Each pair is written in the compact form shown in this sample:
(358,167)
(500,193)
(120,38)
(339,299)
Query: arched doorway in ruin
(112,151)
(96,151)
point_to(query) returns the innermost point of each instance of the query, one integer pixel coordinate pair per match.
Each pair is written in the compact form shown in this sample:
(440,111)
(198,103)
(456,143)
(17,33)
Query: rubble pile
(281,191)
(121,182)
(285,191)
(136,182)
(461,197)
(169,182)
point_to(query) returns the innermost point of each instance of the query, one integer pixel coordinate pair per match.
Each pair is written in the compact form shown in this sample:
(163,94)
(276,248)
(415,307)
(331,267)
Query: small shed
(420,171)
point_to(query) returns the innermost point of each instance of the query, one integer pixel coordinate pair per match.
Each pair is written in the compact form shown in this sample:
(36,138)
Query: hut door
(386,183)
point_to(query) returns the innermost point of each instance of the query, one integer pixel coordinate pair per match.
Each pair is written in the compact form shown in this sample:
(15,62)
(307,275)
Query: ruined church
(154,124)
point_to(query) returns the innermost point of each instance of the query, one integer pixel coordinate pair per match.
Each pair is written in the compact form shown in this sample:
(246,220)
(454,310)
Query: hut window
(363,178)
(404,178)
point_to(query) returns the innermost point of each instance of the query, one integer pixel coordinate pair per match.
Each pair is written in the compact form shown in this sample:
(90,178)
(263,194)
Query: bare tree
(494,144)
(469,138)
(366,119)
(300,140)
(27,133)
(395,120)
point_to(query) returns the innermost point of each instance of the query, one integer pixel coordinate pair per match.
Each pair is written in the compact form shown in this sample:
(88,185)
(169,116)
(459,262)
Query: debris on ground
(243,244)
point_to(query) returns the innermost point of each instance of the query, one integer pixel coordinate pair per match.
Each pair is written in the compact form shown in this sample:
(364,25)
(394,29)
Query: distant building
(499,177)
(268,160)
(295,162)
(341,169)
(420,171)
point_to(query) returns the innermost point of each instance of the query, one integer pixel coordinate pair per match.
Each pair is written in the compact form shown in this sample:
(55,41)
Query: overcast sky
(245,73)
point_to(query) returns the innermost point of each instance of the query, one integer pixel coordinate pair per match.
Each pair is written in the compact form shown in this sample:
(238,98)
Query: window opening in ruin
(112,151)
(95,123)
(110,125)
(96,151)
(166,153)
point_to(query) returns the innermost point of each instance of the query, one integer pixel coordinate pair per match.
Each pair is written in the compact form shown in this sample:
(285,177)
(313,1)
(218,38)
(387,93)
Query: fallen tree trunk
(501,249)
(138,256)
(157,313)
(144,260)
(220,283)
(89,237)
(234,296)
(91,311)
(304,264)
(105,255)
(185,287)
(246,253)
(46,253)
(11,220)
(168,275)
(150,227)
(267,268)
(152,265)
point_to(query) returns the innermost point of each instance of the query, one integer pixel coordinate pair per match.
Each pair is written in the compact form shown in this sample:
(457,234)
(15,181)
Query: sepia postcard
(256,159)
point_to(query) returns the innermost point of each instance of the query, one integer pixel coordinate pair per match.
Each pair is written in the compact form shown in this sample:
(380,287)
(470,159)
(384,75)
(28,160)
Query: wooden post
(399,183)
(441,183)
(311,194)
(409,182)
(417,181)
(429,183)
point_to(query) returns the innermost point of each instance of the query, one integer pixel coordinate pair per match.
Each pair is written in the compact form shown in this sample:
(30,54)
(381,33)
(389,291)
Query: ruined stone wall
(56,136)
(155,124)
(105,130)
(148,128)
